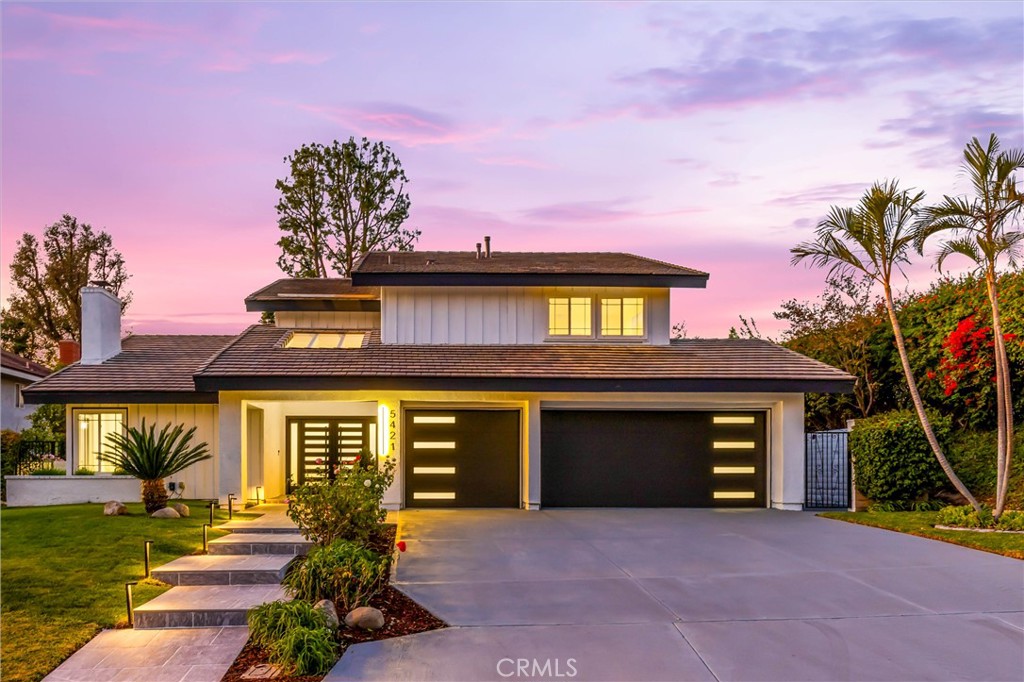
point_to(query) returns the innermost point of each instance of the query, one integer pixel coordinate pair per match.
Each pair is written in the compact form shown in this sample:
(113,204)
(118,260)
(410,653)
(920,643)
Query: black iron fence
(828,470)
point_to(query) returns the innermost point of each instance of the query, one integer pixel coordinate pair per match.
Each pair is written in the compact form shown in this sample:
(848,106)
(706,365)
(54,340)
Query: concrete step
(261,543)
(205,606)
(276,523)
(246,569)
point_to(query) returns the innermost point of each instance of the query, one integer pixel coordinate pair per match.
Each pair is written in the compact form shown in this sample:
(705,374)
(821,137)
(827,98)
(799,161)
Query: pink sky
(713,136)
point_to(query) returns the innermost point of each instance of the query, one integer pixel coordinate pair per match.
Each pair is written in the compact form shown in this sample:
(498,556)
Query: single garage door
(461,458)
(605,458)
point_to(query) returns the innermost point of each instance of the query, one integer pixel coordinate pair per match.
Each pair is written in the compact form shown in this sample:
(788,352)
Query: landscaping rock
(182,509)
(165,513)
(114,508)
(326,606)
(365,617)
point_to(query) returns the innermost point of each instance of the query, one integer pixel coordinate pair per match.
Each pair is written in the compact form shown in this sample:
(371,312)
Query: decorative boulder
(326,606)
(182,509)
(114,508)
(165,513)
(365,617)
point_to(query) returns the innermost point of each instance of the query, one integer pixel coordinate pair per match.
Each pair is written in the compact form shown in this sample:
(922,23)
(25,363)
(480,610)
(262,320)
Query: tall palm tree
(982,229)
(151,458)
(873,238)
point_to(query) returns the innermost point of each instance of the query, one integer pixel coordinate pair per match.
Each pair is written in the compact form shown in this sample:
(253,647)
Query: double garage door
(590,458)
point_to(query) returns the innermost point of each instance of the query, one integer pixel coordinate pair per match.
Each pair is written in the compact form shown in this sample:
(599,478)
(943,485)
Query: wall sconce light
(146,545)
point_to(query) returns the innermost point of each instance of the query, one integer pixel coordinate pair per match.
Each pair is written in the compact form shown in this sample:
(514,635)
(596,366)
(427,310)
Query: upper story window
(324,340)
(622,317)
(575,317)
(570,317)
(91,430)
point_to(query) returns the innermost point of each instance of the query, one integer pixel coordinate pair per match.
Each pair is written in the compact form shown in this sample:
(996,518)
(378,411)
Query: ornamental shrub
(892,460)
(343,572)
(966,517)
(296,636)
(84,471)
(47,471)
(348,507)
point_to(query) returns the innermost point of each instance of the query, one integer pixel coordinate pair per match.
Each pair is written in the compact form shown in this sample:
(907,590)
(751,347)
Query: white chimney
(101,325)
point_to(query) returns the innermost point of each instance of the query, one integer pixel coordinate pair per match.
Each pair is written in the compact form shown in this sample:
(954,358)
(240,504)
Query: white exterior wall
(497,315)
(305,319)
(11,416)
(38,491)
(785,427)
(200,479)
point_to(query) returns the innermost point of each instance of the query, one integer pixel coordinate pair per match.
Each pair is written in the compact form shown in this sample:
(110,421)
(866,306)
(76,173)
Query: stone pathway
(194,631)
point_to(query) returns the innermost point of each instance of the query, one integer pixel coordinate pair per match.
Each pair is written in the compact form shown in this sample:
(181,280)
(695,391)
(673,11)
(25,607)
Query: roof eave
(312,304)
(212,382)
(42,397)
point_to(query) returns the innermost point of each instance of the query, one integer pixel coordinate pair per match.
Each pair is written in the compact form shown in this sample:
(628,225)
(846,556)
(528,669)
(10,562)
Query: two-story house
(496,379)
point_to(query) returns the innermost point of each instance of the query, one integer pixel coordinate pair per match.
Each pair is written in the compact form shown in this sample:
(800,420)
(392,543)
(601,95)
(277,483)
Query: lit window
(324,340)
(569,317)
(91,431)
(622,317)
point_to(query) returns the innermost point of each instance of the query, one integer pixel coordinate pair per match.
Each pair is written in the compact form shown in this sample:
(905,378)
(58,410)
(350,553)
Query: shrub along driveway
(694,594)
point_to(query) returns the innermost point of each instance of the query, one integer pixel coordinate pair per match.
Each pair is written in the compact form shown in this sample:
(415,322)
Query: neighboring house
(497,380)
(17,374)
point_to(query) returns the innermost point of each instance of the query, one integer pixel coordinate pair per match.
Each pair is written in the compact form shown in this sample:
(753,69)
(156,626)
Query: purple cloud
(594,212)
(399,123)
(823,195)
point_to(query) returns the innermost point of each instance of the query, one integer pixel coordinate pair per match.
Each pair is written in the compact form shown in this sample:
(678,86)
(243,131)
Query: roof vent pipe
(478,250)
(487,247)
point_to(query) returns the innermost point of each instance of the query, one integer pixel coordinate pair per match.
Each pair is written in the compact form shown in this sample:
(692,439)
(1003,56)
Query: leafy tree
(984,230)
(338,202)
(46,277)
(838,329)
(151,458)
(873,238)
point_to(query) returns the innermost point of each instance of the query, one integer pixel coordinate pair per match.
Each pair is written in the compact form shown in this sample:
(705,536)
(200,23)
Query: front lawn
(64,570)
(921,523)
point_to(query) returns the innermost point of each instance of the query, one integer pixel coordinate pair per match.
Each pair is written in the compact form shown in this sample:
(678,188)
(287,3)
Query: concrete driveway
(690,594)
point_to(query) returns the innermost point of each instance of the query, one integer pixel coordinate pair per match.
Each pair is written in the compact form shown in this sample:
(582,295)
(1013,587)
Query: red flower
(319,461)
(400,545)
(931,375)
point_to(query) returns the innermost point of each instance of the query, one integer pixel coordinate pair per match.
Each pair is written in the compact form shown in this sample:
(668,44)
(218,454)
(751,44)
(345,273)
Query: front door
(318,445)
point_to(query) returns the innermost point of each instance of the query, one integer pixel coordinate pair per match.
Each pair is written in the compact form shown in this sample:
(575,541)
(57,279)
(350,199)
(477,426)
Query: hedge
(892,460)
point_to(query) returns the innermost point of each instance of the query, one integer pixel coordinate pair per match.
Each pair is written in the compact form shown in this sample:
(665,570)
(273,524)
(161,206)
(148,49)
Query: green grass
(921,524)
(64,570)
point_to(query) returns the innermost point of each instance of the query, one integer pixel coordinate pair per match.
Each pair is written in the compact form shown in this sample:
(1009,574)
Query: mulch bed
(402,616)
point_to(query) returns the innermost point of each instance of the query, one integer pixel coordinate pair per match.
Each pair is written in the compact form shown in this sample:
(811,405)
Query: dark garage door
(605,458)
(461,458)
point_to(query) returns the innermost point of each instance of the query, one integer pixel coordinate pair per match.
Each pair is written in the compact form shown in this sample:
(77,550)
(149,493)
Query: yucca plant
(151,457)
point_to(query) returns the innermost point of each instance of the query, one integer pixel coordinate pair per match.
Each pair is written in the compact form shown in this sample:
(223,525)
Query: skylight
(325,340)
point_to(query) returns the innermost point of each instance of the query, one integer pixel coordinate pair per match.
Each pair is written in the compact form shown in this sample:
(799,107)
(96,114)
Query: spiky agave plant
(152,457)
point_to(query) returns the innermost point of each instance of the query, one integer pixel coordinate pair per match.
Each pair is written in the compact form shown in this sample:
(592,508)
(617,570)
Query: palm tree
(151,457)
(981,229)
(873,238)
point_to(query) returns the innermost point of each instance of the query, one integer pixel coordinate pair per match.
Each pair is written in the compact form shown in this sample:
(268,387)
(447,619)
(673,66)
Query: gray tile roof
(161,365)
(699,364)
(511,262)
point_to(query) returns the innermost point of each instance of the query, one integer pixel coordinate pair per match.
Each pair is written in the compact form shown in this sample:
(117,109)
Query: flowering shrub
(344,572)
(348,507)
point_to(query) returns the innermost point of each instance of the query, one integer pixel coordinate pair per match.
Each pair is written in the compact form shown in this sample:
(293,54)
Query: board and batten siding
(497,315)
(312,319)
(200,479)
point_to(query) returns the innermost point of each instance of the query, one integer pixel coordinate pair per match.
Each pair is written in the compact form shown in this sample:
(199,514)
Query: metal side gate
(828,470)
